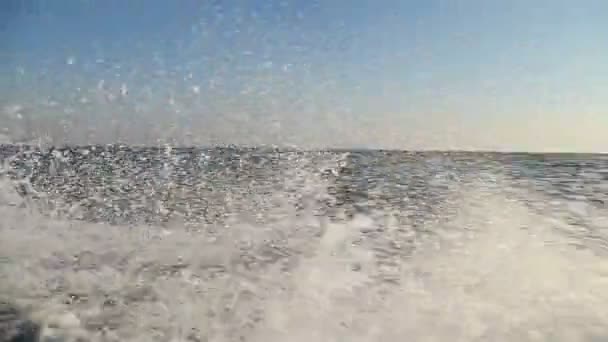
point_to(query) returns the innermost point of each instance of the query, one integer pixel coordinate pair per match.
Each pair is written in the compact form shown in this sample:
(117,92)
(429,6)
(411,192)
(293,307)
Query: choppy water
(123,244)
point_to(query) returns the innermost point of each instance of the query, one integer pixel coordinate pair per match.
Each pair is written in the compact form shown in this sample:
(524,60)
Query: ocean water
(115,243)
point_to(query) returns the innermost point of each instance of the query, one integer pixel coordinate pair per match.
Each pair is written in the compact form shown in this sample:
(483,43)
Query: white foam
(493,272)
(509,278)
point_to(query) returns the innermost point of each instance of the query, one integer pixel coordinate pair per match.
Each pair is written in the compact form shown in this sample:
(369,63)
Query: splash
(493,272)
(488,268)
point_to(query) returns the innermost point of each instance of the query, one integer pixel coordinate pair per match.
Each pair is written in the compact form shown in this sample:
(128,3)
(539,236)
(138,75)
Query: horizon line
(279,148)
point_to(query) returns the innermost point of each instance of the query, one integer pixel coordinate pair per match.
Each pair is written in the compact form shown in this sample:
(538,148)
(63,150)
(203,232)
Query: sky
(459,74)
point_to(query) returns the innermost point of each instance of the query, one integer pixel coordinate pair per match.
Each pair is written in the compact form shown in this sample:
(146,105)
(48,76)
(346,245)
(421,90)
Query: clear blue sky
(509,75)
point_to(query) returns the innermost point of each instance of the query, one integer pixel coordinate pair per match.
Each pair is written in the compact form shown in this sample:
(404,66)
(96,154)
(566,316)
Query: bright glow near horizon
(516,75)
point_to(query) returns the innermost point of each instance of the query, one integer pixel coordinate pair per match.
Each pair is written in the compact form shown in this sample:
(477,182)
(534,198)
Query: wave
(484,267)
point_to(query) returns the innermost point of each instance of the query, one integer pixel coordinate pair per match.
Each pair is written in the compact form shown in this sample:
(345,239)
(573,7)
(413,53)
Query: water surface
(153,244)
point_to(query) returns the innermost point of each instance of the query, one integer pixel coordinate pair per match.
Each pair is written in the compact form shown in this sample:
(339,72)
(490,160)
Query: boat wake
(485,268)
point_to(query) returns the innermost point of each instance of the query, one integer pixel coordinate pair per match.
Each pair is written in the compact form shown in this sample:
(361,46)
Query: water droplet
(123,90)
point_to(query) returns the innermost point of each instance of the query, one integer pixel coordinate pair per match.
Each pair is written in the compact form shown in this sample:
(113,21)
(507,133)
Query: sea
(128,243)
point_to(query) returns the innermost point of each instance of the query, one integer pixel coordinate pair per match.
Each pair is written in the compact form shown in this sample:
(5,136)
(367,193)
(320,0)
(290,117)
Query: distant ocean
(118,243)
